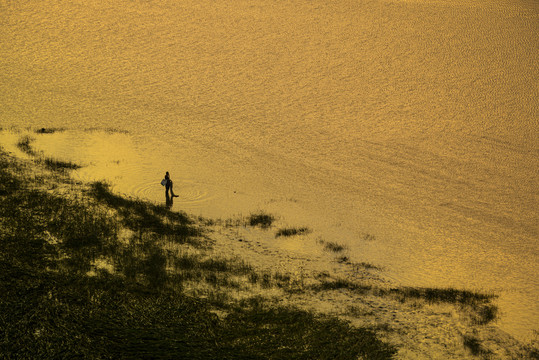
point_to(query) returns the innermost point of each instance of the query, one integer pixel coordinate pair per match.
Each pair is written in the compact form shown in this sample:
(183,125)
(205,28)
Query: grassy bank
(87,273)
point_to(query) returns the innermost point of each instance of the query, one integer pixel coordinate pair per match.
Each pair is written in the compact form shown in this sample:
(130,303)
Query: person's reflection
(169,201)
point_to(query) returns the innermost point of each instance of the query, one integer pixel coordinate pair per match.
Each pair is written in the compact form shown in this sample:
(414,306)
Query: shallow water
(414,122)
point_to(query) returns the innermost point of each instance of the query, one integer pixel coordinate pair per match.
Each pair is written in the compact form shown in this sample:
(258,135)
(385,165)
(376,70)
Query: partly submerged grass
(56,303)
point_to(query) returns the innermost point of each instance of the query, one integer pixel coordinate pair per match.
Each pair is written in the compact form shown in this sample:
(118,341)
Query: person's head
(167,172)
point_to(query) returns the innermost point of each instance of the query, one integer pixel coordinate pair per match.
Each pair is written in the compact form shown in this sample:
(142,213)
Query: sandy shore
(418,328)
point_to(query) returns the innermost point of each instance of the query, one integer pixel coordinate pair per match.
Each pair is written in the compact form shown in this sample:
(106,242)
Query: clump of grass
(480,304)
(341,284)
(24,145)
(356,311)
(448,295)
(365,265)
(291,231)
(261,219)
(333,246)
(48,130)
(485,313)
(369,237)
(474,345)
(55,164)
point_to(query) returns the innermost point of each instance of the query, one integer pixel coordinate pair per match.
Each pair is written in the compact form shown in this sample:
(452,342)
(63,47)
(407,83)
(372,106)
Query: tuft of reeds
(291,231)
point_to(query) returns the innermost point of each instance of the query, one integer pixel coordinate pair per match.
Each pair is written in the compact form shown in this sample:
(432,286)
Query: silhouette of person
(168,186)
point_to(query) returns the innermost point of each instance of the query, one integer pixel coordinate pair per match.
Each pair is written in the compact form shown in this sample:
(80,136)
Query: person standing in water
(168,186)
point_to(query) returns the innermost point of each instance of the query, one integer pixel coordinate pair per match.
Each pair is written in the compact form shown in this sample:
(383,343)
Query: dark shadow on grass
(138,215)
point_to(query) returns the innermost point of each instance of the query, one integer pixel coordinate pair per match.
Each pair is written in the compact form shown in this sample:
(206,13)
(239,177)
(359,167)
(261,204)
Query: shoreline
(273,272)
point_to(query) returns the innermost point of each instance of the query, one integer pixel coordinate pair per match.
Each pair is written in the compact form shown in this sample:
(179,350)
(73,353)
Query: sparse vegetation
(98,275)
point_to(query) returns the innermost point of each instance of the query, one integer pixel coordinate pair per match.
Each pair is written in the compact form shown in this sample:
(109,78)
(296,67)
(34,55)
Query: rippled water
(415,122)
